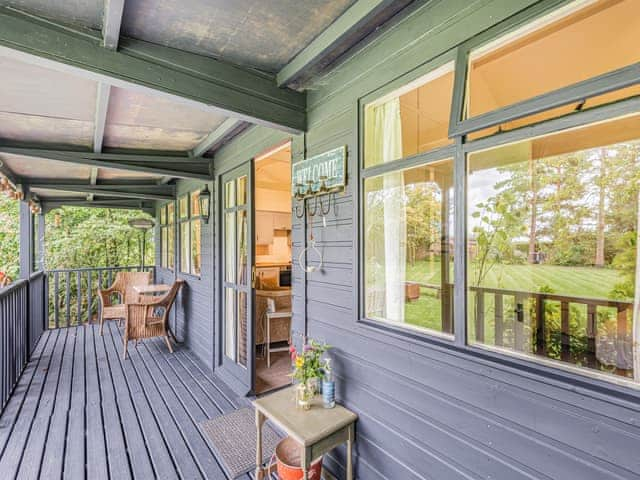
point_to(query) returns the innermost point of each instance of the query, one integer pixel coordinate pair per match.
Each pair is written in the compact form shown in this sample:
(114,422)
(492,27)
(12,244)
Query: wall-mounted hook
(301,211)
(315,207)
(323,210)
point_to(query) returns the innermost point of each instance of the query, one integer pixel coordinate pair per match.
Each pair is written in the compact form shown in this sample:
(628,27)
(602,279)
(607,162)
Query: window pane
(163,215)
(171,212)
(413,120)
(183,207)
(241,328)
(163,247)
(230,247)
(184,248)
(570,45)
(242,190)
(552,246)
(195,204)
(408,223)
(230,194)
(229,323)
(243,252)
(171,247)
(196,247)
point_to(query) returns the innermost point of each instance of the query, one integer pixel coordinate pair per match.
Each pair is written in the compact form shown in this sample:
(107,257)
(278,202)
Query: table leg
(350,442)
(260,419)
(305,462)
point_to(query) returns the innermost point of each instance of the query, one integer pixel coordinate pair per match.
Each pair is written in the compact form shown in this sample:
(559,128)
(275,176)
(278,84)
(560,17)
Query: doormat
(233,437)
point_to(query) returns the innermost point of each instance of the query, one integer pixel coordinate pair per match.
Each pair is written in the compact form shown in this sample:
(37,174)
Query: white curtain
(384,145)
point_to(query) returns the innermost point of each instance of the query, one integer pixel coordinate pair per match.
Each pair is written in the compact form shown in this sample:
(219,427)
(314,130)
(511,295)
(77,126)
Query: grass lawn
(571,281)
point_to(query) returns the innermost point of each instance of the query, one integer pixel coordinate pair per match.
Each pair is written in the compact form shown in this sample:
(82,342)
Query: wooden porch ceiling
(146,88)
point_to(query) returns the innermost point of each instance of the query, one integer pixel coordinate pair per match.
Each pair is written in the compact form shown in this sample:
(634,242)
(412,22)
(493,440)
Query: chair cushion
(114,311)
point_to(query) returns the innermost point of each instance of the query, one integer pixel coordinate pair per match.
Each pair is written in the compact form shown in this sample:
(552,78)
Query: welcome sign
(331,164)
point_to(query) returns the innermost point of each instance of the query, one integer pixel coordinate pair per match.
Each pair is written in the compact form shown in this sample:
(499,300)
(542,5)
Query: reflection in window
(552,239)
(572,44)
(415,118)
(408,218)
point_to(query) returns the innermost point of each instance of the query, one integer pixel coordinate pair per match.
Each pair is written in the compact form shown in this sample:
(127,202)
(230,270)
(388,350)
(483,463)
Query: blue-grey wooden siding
(428,410)
(193,312)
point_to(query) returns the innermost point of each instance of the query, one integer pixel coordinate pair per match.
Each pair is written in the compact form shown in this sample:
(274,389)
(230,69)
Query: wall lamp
(205,203)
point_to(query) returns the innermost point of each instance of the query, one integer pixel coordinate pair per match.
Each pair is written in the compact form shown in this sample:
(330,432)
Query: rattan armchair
(122,287)
(150,317)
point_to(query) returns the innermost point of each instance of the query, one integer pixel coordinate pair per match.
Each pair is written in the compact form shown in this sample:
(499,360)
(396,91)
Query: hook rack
(303,194)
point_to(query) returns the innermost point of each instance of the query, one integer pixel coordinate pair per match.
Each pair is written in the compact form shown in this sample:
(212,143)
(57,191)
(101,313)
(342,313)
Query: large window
(579,41)
(547,268)
(167,236)
(190,233)
(408,211)
(552,239)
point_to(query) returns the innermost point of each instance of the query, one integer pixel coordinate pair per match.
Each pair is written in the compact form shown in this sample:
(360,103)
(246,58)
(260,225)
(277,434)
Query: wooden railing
(21,324)
(526,316)
(73,298)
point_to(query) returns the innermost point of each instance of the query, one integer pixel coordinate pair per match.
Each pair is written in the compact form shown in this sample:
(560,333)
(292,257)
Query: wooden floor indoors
(80,411)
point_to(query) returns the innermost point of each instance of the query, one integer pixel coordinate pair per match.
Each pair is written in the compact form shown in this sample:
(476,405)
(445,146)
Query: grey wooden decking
(80,411)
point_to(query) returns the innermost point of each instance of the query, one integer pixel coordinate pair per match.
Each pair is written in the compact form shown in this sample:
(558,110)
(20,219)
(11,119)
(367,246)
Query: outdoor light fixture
(142,224)
(205,202)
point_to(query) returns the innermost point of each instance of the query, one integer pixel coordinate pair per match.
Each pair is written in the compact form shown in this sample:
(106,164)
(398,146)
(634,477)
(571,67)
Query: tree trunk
(599,261)
(534,207)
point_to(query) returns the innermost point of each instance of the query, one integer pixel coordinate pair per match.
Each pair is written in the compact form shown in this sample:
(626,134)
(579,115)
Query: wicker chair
(123,288)
(150,317)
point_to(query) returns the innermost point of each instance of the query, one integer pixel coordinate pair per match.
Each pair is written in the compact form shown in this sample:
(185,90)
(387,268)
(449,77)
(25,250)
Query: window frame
(605,83)
(188,222)
(569,374)
(420,159)
(165,229)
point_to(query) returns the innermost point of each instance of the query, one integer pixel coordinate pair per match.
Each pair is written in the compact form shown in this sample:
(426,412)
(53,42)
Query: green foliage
(88,237)
(499,224)
(9,237)
(83,237)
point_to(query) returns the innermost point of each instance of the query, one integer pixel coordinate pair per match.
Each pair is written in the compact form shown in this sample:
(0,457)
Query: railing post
(480,315)
(565,340)
(499,319)
(540,324)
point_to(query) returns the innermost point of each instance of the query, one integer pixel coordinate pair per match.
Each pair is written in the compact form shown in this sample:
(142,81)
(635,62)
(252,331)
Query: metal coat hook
(315,207)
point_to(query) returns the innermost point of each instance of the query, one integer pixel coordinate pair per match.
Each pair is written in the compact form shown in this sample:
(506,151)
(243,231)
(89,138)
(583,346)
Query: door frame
(244,376)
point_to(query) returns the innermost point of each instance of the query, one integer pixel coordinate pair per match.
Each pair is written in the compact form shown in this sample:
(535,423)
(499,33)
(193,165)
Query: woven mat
(233,436)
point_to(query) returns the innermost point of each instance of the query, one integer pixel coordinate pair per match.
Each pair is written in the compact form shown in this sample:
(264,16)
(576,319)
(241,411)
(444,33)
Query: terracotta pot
(288,462)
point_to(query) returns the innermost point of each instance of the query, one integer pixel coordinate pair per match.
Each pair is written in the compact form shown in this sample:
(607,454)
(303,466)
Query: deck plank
(200,451)
(17,400)
(120,465)
(141,455)
(53,455)
(12,454)
(187,466)
(75,449)
(96,448)
(80,411)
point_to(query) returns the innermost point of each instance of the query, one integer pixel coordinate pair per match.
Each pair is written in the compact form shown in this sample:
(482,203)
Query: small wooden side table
(317,430)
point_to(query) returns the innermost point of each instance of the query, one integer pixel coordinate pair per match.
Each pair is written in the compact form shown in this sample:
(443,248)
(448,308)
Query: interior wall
(426,409)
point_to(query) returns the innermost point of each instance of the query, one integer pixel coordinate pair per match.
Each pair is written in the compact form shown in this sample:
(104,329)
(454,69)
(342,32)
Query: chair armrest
(105,296)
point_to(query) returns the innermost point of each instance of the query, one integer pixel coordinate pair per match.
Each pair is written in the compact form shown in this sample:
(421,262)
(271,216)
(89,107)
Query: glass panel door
(237,255)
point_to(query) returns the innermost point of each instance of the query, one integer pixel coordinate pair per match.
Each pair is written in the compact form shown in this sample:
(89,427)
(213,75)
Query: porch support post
(42,225)
(26,240)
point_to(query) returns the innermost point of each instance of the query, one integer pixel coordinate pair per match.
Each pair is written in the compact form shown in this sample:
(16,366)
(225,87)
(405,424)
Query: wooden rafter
(196,80)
